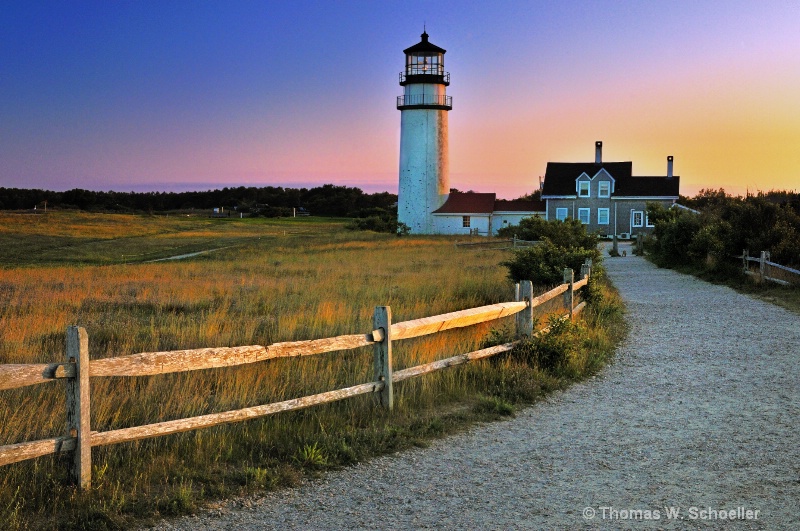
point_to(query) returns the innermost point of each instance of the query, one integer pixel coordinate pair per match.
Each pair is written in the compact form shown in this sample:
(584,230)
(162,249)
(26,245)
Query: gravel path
(699,411)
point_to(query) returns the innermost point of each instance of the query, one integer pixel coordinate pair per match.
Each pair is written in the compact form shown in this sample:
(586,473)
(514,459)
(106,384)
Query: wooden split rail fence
(498,245)
(767,269)
(78,368)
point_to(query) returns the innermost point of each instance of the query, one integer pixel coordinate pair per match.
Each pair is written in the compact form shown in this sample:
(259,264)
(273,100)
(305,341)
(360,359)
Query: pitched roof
(467,203)
(519,205)
(560,178)
(424,46)
(648,187)
(478,203)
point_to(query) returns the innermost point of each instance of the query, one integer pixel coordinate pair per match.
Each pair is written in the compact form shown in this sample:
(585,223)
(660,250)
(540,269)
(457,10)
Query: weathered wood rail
(498,245)
(77,369)
(767,269)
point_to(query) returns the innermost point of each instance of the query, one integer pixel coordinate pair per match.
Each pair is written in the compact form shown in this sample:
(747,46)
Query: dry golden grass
(274,281)
(280,282)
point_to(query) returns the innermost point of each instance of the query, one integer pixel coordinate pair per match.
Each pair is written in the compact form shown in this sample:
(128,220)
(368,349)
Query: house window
(584,214)
(604,189)
(583,188)
(647,221)
(465,221)
(561,214)
(638,218)
(602,216)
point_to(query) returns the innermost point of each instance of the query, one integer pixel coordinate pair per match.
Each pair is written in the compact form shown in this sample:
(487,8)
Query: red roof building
(482,213)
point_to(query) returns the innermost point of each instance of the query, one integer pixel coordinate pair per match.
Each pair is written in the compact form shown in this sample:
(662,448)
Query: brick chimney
(598,152)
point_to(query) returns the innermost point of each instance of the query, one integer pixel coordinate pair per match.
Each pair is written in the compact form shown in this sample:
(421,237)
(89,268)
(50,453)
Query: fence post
(586,268)
(525,317)
(514,246)
(745,256)
(78,407)
(762,266)
(516,292)
(569,278)
(382,319)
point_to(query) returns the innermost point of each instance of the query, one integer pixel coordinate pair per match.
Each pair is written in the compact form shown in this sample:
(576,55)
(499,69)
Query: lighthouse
(424,164)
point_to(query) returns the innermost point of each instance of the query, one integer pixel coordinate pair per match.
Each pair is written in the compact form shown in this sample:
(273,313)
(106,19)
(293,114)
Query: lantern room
(424,64)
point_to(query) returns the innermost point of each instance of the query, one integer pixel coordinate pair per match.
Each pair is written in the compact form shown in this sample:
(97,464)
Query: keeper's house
(605,196)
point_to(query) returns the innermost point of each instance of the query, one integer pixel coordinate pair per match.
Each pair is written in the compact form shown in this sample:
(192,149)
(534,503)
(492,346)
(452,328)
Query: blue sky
(183,95)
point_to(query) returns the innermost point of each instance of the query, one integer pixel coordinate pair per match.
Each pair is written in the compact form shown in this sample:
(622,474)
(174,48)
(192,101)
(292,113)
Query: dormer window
(583,188)
(604,189)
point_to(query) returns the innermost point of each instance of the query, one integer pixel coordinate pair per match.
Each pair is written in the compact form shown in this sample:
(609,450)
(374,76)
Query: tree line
(325,200)
(722,226)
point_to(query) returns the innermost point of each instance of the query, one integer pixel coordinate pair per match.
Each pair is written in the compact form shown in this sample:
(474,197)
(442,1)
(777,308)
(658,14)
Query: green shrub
(724,227)
(568,233)
(379,224)
(673,234)
(551,351)
(544,263)
(311,456)
(378,220)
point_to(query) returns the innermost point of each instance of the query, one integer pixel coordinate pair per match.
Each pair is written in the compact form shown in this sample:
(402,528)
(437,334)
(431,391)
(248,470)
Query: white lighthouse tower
(424,164)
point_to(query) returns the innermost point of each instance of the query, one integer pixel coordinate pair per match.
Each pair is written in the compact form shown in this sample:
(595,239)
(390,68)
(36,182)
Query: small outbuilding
(482,213)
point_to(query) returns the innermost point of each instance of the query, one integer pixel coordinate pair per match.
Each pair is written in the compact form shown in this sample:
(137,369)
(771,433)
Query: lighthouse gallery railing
(413,100)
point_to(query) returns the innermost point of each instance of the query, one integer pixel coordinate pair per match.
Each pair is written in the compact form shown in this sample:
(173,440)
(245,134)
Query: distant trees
(326,200)
(536,195)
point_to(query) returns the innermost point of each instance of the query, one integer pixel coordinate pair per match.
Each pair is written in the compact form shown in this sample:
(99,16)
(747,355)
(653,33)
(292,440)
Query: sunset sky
(181,95)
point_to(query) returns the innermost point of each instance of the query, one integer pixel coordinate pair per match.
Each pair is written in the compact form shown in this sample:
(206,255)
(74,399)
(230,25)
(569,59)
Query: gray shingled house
(605,196)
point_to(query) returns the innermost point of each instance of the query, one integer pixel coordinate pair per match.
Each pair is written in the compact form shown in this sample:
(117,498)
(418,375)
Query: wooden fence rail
(499,245)
(764,266)
(77,369)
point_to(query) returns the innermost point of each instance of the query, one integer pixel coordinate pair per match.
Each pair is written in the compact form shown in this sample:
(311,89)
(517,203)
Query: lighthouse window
(424,64)
(465,221)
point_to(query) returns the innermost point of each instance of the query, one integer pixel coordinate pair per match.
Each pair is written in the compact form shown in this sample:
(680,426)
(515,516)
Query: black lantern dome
(424,64)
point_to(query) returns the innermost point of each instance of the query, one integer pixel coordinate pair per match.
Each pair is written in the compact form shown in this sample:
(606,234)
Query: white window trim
(608,216)
(611,179)
(647,220)
(588,189)
(641,218)
(566,213)
(599,189)
(588,212)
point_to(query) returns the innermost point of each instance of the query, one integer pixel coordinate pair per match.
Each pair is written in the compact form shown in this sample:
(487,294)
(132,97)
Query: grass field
(266,281)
